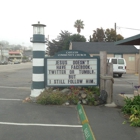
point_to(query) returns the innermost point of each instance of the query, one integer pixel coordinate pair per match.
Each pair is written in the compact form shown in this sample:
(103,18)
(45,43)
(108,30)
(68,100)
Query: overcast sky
(17,16)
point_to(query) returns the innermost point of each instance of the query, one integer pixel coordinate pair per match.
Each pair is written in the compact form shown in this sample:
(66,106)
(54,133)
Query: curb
(85,123)
(111,105)
(127,96)
(82,114)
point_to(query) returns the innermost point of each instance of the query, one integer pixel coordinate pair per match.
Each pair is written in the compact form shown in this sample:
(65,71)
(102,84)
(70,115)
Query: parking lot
(124,85)
(22,120)
(128,82)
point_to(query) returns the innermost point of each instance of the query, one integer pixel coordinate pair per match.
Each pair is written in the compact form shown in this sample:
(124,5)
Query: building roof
(134,40)
(14,52)
(109,47)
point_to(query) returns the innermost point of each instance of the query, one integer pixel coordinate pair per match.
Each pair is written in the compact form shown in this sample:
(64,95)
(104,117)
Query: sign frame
(72,54)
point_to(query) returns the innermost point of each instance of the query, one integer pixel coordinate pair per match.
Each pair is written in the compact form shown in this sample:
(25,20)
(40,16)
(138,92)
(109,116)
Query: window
(114,61)
(118,55)
(131,58)
(120,61)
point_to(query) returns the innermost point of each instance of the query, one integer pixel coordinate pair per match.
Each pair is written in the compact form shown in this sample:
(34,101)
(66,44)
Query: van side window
(114,61)
(120,61)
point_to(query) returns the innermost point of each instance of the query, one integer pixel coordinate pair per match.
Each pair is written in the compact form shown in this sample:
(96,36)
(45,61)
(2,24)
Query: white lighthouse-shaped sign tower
(38,40)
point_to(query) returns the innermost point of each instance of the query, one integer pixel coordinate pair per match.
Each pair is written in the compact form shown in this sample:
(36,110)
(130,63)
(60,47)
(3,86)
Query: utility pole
(115,32)
(1,52)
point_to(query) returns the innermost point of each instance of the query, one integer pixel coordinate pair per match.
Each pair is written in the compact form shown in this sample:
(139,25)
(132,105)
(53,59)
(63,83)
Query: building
(134,40)
(130,53)
(4,55)
(15,56)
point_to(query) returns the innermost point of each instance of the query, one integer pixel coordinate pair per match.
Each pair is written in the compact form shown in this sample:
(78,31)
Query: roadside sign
(69,68)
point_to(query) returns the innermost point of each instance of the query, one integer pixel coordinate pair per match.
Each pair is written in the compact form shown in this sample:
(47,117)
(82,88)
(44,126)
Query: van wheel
(120,75)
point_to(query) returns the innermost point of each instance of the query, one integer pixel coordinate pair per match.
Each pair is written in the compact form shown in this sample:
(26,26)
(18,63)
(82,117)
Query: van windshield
(120,61)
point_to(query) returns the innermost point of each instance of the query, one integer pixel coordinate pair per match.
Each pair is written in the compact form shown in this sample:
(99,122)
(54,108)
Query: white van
(119,65)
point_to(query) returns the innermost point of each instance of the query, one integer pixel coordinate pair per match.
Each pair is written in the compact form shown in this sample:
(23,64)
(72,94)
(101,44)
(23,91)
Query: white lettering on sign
(57,71)
(61,62)
(71,71)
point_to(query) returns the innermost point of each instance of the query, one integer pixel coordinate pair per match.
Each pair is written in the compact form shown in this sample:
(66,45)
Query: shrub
(126,109)
(51,98)
(73,98)
(135,117)
(94,89)
(56,97)
(90,98)
(132,107)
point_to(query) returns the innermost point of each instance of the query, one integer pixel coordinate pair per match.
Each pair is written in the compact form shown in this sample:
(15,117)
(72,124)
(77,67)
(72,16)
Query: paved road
(107,124)
(29,121)
(14,67)
(127,81)
(21,120)
(125,85)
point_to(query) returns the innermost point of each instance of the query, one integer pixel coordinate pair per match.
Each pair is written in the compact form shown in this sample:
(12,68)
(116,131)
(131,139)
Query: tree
(77,38)
(98,35)
(79,25)
(60,43)
(111,35)
(108,35)
(119,37)
(64,41)
(90,39)
(4,43)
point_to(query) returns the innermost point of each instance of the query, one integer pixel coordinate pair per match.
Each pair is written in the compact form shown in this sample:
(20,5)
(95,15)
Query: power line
(128,28)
